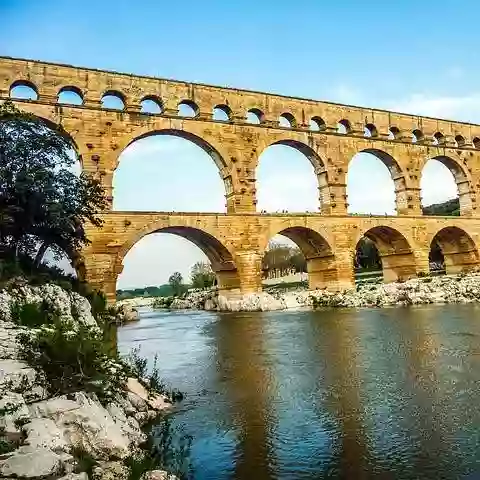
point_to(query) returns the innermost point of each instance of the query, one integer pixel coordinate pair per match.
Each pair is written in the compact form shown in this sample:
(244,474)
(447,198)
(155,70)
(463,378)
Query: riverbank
(69,409)
(462,288)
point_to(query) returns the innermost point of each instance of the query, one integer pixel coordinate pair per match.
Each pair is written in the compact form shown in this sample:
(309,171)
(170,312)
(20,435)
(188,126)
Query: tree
(176,282)
(202,275)
(43,204)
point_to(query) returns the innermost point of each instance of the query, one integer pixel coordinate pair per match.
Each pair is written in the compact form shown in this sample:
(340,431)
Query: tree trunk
(41,252)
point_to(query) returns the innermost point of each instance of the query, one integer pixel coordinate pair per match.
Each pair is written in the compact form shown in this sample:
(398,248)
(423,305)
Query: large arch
(396,254)
(210,187)
(460,176)
(384,200)
(219,256)
(458,248)
(297,188)
(319,255)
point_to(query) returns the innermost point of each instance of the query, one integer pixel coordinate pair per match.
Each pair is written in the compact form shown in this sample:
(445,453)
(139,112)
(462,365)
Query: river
(370,393)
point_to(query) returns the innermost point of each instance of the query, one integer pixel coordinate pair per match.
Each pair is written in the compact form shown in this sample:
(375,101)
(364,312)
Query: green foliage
(168,449)
(151,291)
(202,275)
(281,260)
(85,461)
(43,204)
(72,358)
(176,282)
(450,208)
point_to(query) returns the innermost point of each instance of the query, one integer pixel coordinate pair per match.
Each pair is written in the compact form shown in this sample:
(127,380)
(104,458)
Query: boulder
(158,475)
(144,399)
(32,463)
(110,471)
(16,375)
(44,433)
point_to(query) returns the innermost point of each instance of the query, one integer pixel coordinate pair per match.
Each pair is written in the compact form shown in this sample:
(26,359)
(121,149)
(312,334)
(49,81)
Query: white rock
(15,375)
(111,471)
(11,423)
(44,433)
(38,463)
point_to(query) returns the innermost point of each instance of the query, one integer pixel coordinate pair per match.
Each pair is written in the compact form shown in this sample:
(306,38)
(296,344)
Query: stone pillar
(322,273)
(459,261)
(102,273)
(228,283)
(407,201)
(398,266)
(344,261)
(249,266)
(465,198)
(333,199)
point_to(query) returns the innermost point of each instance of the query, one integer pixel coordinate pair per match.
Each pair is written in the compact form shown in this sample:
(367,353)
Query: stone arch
(462,179)
(222,113)
(206,146)
(220,257)
(77,99)
(188,109)
(458,248)
(255,116)
(319,168)
(396,253)
(33,90)
(396,173)
(317,250)
(151,104)
(113,100)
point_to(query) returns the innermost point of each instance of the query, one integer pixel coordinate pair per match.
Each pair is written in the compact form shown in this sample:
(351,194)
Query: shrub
(168,448)
(72,358)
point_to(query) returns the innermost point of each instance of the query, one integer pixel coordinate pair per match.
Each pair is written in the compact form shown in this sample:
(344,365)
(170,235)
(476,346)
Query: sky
(410,56)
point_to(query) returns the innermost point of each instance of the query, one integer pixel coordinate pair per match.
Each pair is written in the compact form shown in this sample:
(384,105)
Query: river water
(372,393)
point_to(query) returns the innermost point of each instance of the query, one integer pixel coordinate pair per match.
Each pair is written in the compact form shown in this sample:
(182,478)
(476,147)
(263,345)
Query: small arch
(344,127)
(318,254)
(188,108)
(460,141)
(370,130)
(23,90)
(287,120)
(476,142)
(417,136)
(255,116)
(393,133)
(438,138)
(317,124)
(222,113)
(457,249)
(152,105)
(396,254)
(70,95)
(113,100)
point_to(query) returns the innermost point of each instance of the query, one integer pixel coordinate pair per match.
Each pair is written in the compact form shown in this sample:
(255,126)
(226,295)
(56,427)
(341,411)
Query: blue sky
(418,57)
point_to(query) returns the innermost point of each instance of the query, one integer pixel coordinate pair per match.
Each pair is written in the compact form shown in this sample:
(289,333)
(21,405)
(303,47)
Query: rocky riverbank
(463,288)
(50,427)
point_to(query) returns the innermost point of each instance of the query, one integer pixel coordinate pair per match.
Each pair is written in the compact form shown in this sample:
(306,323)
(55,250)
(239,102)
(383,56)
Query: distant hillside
(450,208)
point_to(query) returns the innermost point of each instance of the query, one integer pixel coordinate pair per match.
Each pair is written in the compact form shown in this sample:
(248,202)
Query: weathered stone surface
(155,402)
(10,423)
(15,375)
(110,471)
(44,433)
(39,463)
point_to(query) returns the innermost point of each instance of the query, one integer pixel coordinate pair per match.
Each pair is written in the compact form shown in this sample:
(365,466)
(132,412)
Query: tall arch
(181,152)
(319,255)
(458,248)
(381,169)
(438,187)
(219,256)
(396,254)
(284,180)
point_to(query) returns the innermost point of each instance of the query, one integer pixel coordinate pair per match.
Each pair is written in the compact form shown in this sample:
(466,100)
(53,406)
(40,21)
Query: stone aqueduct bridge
(235,241)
